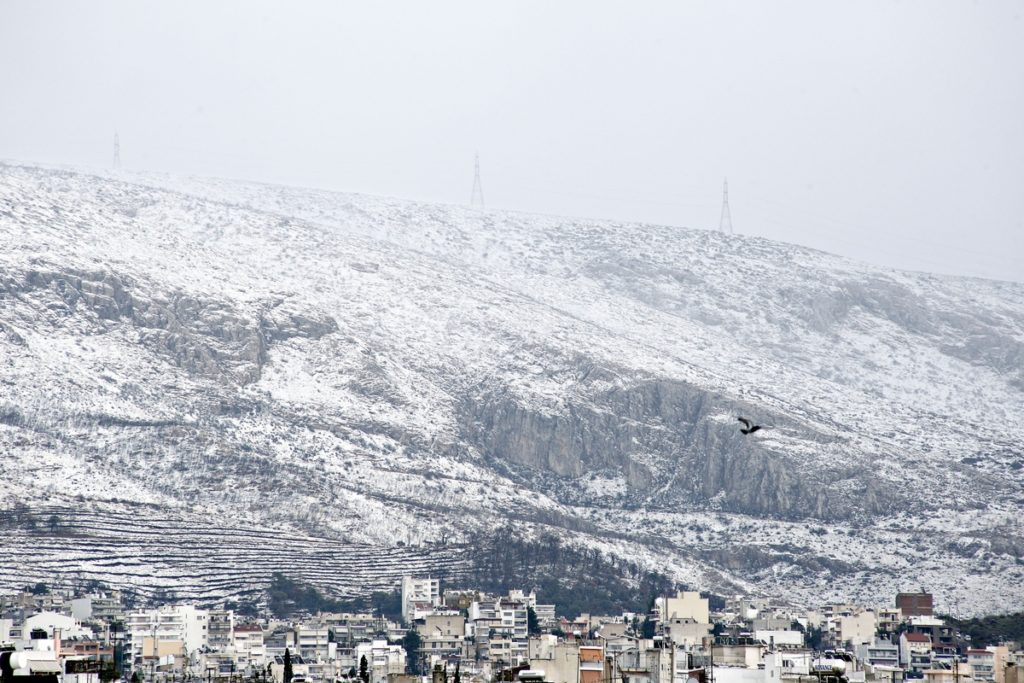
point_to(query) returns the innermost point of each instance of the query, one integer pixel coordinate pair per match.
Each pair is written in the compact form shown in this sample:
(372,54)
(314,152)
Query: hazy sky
(889,131)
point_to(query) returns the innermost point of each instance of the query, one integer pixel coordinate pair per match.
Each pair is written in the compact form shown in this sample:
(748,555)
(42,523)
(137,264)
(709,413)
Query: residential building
(944,655)
(382,659)
(889,619)
(459,599)
(838,610)
(350,628)
(744,608)
(93,649)
(513,628)
(915,651)
(591,659)
(220,625)
(915,604)
(685,631)
(982,664)
(771,624)
(419,596)
(686,605)
(879,653)
(530,599)
(558,661)
(311,641)
(443,635)
(933,627)
(279,638)
(546,618)
(165,631)
(945,675)
(300,668)
(53,623)
(743,651)
(9,632)
(499,629)
(851,630)
(611,630)
(779,638)
(1001,657)
(102,609)
(247,640)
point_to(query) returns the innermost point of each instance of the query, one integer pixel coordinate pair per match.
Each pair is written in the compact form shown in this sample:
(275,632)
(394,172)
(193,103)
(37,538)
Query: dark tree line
(991,630)
(286,598)
(576,579)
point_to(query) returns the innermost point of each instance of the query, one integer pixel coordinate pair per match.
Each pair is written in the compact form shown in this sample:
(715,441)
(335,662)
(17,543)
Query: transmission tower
(117,152)
(477,197)
(725,222)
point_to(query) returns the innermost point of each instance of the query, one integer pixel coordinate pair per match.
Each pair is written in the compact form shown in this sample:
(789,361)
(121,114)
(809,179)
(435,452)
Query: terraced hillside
(152,549)
(355,380)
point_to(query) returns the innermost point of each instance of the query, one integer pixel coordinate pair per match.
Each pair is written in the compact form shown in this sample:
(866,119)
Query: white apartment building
(248,644)
(151,631)
(686,605)
(382,659)
(685,631)
(545,616)
(856,629)
(312,642)
(419,597)
(51,622)
(500,630)
(879,653)
(97,608)
(510,636)
(781,638)
(915,651)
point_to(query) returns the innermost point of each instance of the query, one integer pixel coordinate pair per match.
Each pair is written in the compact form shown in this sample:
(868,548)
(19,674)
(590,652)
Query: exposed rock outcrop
(204,335)
(672,442)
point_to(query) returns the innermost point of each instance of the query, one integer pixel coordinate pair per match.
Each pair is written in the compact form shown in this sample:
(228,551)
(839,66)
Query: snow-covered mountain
(202,381)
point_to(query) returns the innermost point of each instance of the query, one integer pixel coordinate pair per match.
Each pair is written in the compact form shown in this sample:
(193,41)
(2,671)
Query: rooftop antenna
(725,222)
(477,197)
(117,152)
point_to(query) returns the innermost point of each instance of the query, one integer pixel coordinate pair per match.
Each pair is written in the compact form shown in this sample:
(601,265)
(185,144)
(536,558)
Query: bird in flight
(748,427)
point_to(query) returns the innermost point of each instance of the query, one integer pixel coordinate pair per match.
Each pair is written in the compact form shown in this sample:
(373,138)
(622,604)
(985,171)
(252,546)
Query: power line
(478,188)
(726,219)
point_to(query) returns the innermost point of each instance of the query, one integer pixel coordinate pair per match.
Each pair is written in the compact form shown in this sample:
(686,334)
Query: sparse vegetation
(991,630)
(286,598)
(575,579)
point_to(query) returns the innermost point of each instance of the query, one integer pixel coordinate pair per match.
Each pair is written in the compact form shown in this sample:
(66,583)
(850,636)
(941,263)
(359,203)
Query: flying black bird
(750,429)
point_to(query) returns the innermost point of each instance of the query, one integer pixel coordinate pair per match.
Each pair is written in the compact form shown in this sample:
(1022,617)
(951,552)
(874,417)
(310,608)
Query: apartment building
(248,644)
(879,653)
(382,659)
(220,627)
(168,630)
(420,596)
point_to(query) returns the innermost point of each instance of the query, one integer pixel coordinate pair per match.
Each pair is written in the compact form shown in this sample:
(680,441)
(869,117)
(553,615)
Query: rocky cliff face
(375,376)
(663,436)
(206,337)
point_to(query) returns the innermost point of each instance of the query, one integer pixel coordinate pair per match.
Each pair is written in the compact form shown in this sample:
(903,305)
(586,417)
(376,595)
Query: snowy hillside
(342,385)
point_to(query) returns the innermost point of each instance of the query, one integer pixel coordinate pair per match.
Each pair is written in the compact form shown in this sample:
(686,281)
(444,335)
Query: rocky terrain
(204,381)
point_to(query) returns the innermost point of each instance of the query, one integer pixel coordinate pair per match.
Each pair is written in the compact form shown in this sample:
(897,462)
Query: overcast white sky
(890,131)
